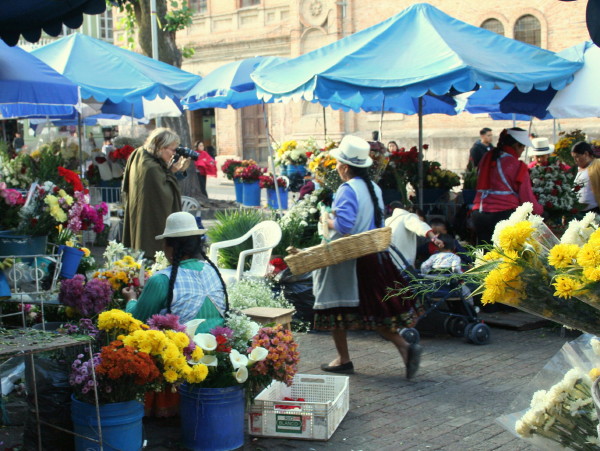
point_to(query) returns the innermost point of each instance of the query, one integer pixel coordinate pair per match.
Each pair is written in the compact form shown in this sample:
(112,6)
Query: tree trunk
(170,54)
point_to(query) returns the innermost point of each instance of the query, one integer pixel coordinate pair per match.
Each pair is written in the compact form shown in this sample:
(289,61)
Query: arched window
(529,30)
(493,25)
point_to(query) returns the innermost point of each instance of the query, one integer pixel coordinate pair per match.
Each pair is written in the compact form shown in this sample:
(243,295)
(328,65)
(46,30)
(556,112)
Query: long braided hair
(190,247)
(504,140)
(363,173)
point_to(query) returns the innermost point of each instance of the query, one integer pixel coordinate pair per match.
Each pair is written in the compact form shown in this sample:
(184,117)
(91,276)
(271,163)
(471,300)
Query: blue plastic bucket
(70,258)
(251,194)
(212,419)
(296,169)
(121,425)
(272,198)
(239,190)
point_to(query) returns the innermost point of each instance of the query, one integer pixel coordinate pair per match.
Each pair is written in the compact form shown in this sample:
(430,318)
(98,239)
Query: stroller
(446,305)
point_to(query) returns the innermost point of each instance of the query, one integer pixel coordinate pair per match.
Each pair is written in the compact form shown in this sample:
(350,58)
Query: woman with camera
(151,191)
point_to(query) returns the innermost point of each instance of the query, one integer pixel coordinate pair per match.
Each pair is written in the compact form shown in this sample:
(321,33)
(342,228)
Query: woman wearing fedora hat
(540,150)
(503,183)
(349,295)
(189,288)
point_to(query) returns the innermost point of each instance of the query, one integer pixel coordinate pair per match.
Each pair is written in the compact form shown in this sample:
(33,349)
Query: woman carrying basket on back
(349,295)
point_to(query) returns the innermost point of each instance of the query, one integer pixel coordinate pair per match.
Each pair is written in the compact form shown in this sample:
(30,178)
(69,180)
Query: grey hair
(160,138)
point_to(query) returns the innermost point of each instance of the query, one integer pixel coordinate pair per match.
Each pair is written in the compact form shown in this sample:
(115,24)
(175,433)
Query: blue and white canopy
(105,71)
(419,51)
(29,87)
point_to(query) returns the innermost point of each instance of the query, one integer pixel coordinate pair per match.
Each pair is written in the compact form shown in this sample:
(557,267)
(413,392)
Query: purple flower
(166,322)
(220,330)
(78,380)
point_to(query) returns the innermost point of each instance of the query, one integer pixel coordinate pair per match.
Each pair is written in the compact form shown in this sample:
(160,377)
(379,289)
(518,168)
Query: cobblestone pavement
(451,404)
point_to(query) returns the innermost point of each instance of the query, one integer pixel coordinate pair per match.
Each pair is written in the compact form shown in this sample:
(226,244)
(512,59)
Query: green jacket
(150,194)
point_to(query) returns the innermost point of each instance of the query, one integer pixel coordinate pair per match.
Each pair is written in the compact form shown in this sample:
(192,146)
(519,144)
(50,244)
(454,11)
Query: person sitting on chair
(189,288)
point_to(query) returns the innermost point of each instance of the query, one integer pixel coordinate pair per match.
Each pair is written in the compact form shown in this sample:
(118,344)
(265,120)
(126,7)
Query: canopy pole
(554,131)
(324,124)
(528,134)
(271,160)
(514,119)
(381,119)
(132,113)
(4,131)
(420,189)
(154,33)
(81,162)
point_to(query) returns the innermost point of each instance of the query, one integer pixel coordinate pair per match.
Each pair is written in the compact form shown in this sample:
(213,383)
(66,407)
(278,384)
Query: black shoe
(413,360)
(346,368)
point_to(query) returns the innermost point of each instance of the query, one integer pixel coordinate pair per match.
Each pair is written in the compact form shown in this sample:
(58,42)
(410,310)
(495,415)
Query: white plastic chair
(265,236)
(190,205)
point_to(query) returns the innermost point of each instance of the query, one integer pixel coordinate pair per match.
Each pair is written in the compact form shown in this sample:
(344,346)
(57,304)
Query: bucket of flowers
(400,170)
(249,176)
(268,182)
(436,181)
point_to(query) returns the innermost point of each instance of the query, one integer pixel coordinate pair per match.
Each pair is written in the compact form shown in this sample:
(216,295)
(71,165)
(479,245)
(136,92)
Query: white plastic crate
(326,402)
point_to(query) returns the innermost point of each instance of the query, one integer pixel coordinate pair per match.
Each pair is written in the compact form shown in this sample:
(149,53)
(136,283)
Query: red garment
(205,164)
(517,176)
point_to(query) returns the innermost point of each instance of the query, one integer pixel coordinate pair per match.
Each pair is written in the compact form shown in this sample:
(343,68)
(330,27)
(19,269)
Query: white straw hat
(353,151)
(179,224)
(520,135)
(540,146)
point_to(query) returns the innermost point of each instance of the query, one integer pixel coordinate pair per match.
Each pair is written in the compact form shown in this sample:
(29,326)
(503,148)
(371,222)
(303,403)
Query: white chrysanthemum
(538,398)
(523,429)
(571,235)
(207,342)
(241,374)
(237,359)
(258,354)
(595,345)
(588,220)
(571,378)
(521,213)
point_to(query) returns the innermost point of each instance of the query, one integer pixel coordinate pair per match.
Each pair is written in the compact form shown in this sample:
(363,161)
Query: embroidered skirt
(376,273)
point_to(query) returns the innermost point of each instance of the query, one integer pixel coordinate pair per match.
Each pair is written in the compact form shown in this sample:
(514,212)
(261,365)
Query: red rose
(425,146)
(548,204)
(136,282)
(554,192)
(558,183)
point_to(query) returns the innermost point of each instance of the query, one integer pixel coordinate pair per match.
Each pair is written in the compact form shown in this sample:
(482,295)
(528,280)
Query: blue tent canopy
(105,71)
(29,87)
(228,85)
(419,51)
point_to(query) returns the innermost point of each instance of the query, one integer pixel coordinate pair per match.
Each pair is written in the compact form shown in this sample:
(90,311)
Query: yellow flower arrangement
(117,320)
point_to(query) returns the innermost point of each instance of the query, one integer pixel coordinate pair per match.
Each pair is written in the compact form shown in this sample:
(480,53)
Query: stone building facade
(225,31)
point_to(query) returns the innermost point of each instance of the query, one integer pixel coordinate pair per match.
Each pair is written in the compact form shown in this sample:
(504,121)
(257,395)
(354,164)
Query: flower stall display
(11,202)
(249,176)
(556,409)
(323,167)
(566,141)
(293,153)
(555,189)
(400,170)
(268,182)
(121,272)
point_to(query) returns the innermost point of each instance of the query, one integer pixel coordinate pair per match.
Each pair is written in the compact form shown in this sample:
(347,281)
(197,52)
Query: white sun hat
(353,151)
(179,224)
(540,146)
(520,135)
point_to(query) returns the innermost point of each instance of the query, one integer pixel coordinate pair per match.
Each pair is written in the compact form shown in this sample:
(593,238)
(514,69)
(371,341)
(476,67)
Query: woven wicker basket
(338,251)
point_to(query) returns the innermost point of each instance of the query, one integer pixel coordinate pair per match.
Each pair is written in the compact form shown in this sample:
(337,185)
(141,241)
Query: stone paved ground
(451,405)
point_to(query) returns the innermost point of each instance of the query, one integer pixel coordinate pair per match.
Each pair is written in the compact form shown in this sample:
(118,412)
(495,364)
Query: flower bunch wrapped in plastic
(121,154)
(556,410)
(281,362)
(226,366)
(517,271)
(85,299)
(438,178)
(576,262)
(323,167)
(121,272)
(11,202)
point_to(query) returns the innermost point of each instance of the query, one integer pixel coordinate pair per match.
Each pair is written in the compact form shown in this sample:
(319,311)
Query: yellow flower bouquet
(517,270)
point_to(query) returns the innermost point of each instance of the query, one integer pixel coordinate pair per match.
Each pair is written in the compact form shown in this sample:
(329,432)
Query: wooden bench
(267,315)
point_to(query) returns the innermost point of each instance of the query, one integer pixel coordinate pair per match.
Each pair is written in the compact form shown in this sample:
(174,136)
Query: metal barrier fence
(108,194)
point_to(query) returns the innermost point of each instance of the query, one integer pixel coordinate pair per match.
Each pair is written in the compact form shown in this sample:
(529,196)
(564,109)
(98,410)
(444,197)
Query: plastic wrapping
(571,421)
(298,290)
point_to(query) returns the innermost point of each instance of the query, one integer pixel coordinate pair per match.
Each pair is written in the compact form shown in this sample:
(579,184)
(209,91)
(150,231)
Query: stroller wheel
(468,331)
(455,326)
(480,334)
(411,335)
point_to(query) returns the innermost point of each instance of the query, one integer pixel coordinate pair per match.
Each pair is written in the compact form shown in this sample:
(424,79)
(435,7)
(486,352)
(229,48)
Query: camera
(187,153)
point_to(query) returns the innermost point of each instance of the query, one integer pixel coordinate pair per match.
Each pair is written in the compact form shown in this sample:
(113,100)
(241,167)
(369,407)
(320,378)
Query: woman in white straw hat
(350,295)
(503,183)
(540,150)
(191,287)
